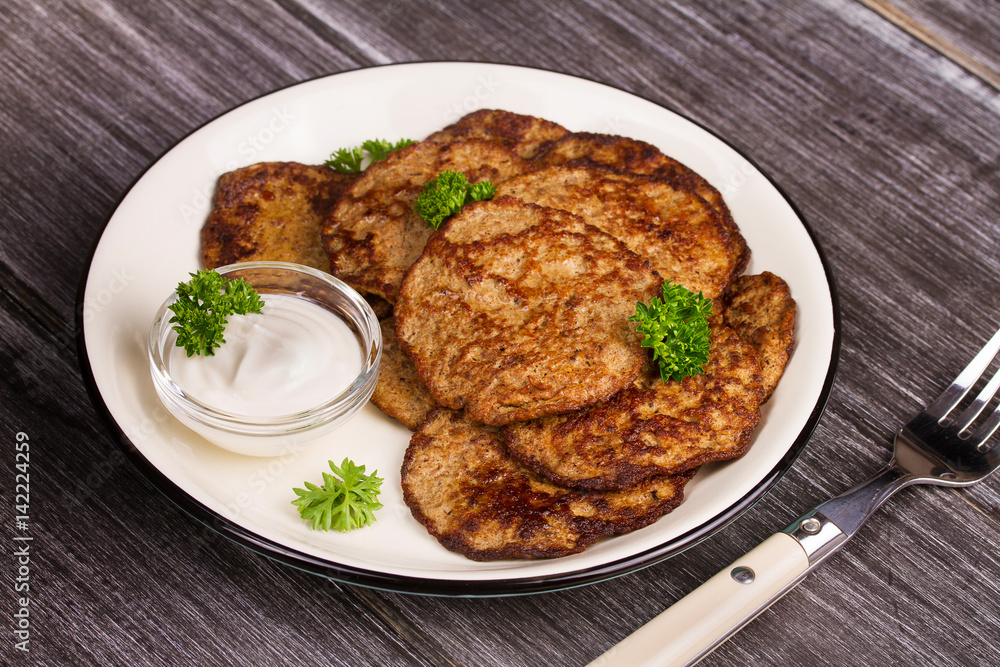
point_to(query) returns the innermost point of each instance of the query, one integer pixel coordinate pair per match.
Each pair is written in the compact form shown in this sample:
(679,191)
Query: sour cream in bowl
(285,376)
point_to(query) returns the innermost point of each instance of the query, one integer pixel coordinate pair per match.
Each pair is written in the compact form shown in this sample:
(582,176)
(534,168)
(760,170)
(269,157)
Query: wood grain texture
(887,144)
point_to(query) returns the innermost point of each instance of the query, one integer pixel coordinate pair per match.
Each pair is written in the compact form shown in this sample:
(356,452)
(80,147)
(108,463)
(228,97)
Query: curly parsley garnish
(347,499)
(444,196)
(676,328)
(350,160)
(202,306)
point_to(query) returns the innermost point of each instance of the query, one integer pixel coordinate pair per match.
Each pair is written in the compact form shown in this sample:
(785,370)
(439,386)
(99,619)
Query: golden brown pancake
(516,311)
(653,427)
(271,211)
(638,157)
(373,235)
(400,393)
(762,311)
(524,134)
(675,230)
(459,483)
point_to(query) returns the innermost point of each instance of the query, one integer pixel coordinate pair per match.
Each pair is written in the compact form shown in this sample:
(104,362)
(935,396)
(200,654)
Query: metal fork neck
(851,509)
(825,528)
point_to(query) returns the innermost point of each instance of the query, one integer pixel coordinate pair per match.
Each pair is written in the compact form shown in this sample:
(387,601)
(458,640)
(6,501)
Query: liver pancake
(271,211)
(516,311)
(400,393)
(526,135)
(653,427)
(675,230)
(459,483)
(761,310)
(638,157)
(373,235)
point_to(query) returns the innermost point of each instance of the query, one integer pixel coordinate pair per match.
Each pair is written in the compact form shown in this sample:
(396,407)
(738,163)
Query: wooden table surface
(880,119)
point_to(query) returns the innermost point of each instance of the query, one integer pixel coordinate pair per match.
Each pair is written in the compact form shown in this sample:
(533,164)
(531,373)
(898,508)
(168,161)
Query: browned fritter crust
(762,311)
(653,427)
(373,235)
(459,483)
(380,306)
(400,393)
(524,134)
(271,211)
(674,229)
(515,311)
(638,157)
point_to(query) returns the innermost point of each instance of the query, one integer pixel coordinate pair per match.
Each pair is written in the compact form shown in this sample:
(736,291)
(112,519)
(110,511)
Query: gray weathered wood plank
(965,32)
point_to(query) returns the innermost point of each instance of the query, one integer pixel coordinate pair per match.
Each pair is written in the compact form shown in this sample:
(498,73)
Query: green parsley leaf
(202,307)
(441,198)
(379,149)
(445,195)
(481,191)
(676,328)
(347,500)
(351,160)
(346,160)
(243,298)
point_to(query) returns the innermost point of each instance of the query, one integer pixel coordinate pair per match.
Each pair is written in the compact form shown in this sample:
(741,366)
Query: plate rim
(426,585)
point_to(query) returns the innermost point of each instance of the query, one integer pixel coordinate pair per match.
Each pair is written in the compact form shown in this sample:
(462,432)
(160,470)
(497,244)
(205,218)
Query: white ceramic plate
(151,242)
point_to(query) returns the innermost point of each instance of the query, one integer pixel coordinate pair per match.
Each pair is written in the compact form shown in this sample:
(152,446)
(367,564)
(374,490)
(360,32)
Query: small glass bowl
(274,436)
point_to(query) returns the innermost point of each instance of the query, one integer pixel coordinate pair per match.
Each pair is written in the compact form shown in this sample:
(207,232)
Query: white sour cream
(291,357)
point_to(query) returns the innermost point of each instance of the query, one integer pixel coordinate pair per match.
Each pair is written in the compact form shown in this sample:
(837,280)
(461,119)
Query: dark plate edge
(443,587)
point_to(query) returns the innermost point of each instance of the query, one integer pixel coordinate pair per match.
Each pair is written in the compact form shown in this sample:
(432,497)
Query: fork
(934,447)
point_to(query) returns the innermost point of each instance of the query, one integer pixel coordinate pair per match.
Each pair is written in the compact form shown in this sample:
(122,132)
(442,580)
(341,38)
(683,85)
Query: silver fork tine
(988,427)
(951,396)
(987,430)
(985,396)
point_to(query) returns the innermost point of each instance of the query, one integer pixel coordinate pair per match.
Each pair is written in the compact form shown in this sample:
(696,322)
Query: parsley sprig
(202,307)
(445,195)
(347,500)
(351,160)
(676,328)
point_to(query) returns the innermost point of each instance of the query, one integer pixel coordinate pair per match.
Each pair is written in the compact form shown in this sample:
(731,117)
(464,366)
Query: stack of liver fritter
(541,424)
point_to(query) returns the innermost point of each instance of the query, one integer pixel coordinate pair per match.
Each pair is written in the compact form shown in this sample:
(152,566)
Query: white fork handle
(710,614)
